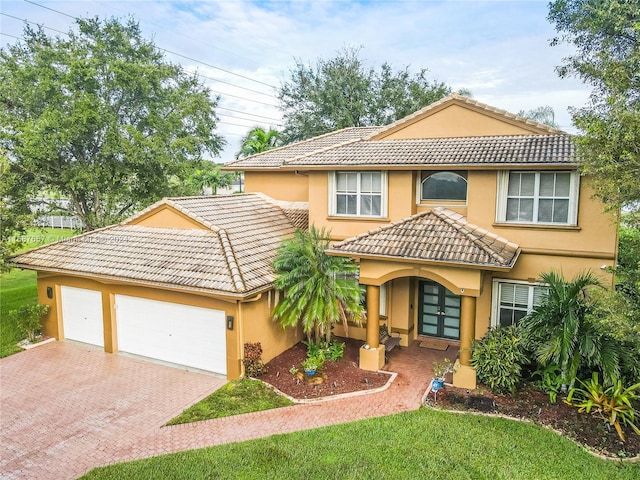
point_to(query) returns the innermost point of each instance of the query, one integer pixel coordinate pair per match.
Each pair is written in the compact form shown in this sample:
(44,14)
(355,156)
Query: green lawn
(234,398)
(421,444)
(18,287)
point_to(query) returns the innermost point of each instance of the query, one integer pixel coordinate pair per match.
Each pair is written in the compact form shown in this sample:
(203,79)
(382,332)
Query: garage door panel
(82,318)
(181,334)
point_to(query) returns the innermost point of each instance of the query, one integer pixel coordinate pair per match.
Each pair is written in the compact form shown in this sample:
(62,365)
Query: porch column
(465,375)
(373,316)
(372,353)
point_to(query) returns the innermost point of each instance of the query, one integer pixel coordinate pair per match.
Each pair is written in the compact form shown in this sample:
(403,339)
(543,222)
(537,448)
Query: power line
(169,51)
(9,35)
(250,114)
(245,119)
(33,23)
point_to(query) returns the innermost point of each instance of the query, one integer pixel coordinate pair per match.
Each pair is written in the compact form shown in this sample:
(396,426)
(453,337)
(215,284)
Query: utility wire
(250,114)
(33,23)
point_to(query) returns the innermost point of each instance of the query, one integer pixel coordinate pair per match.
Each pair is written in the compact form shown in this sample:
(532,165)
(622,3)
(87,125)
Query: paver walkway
(67,408)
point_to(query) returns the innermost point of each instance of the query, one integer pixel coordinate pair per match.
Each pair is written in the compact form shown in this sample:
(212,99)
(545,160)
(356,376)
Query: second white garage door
(181,334)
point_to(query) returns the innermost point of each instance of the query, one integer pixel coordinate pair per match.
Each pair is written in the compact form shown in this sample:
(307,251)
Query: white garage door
(82,315)
(180,334)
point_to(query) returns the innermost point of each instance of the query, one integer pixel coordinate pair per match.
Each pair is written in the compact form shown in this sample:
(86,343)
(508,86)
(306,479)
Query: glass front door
(439,311)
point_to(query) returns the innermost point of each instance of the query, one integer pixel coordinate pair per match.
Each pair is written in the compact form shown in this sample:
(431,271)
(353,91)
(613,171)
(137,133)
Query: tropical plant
(499,357)
(549,380)
(614,404)
(209,175)
(559,332)
(440,369)
(545,115)
(29,320)
(319,290)
(259,140)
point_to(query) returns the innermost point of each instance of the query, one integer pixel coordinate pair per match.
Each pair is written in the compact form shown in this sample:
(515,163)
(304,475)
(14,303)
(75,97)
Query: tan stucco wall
(289,186)
(250,319)
(456,120)
(167,217)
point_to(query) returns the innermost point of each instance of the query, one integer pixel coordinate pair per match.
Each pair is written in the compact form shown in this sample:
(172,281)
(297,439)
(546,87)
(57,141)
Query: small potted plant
(440,369)
(310,365)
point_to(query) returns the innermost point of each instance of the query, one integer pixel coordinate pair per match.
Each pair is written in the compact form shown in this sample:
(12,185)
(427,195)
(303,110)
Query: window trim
(495,296)
(502,195)
(442,201)
(333,192)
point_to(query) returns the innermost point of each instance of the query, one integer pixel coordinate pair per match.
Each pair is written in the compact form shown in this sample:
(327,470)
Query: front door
(439,311)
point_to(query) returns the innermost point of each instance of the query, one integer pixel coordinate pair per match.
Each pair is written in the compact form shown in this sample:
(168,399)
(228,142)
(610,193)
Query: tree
(101,117)
(342,92)
(259,140)
(606,35)
(209,175)
(544,115)
(560,333)
(319,289)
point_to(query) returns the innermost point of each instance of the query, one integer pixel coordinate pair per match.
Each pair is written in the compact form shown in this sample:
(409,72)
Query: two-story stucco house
(452,213)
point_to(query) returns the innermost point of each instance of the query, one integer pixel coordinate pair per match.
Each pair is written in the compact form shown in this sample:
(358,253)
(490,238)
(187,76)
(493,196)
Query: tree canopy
(102,118)
(342,92)
(544,114)
(606,35)
(259,140)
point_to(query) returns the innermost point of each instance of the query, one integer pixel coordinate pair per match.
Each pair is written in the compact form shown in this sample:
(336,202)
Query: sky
(244,50)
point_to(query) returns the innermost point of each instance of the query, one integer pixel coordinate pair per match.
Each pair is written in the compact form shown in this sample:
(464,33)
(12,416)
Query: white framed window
(358,194)
(538,197)
(383,298)
(512,300)
(436,186)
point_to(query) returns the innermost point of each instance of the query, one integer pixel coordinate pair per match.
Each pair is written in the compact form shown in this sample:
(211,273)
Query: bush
(29,320)
(498,359)
(253,365)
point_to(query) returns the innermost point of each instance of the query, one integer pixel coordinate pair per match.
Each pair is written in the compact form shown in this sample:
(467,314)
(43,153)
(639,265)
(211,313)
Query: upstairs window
(443,186)
(538,197)
(358,194)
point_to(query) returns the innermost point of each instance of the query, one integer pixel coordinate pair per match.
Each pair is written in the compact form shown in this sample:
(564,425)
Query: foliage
(342,92)
(544,115)
(559,330)
(100,117)
(499,357)
(440,369)
(234,398)
(28,318)
(319,290)
(550,380)
(252,361)
(259,140)
(396,446)
(335,351)
(605,34)
(207,174)
(628,269)
(312,363)
(614,404)
(15,214)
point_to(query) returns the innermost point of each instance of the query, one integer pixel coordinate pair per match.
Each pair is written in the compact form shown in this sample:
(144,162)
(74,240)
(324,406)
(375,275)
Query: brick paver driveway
(66,408)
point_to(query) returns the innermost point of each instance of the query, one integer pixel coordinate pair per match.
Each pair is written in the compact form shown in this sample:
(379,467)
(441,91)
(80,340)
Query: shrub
(29,320)
(253,365)
(614,404)
(498,359)
(550,380)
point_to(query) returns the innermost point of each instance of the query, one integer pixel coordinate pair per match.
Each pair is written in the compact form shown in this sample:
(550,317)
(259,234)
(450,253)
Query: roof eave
(424,166)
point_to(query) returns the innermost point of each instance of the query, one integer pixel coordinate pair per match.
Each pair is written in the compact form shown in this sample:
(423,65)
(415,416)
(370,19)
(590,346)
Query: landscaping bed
(533,405)
(342,376)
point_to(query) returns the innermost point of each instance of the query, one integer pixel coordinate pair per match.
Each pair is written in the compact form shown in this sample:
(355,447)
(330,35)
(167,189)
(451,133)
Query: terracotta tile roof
(468,101)
(438,235)
(508,150)
(278,156)
(233,256)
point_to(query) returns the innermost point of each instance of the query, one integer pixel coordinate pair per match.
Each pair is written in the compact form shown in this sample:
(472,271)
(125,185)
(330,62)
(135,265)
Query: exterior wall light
(49,292)
(229,322)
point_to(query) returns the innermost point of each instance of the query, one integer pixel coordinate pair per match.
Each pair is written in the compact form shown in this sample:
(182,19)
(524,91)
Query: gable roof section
(455,99)
(436,236)
(499,151)
(232,256)
(277,157)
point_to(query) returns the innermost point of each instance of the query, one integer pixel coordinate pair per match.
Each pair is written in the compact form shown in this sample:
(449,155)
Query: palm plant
(319,290)
(259,140)
(559,331)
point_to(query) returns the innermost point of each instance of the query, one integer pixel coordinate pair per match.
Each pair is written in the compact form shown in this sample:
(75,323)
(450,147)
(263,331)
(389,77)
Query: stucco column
(467,328)
(464,375)
(373,316)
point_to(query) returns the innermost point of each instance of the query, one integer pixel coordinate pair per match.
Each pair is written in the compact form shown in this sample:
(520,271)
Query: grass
(236,397)
(420,444)
(18,288)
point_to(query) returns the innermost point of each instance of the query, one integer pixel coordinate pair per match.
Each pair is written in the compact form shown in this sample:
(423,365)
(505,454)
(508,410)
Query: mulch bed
(535,406)
(343,376)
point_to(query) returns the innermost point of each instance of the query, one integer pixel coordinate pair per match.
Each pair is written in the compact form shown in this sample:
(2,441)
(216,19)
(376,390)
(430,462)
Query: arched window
(444,186)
